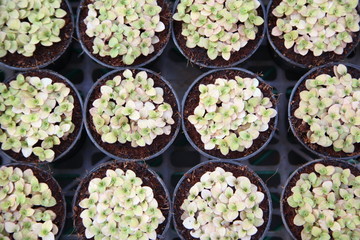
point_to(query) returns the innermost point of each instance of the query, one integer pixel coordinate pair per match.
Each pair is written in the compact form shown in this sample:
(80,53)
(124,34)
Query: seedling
(35,115)
(231,114)
(131,109)
(119,206)
(27,25)
(327,203)
(331,107)
(318,27)
(223,206)
(123,28)
(24,203)
(221,27)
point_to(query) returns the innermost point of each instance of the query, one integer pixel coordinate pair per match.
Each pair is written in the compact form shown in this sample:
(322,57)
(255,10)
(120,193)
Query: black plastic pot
(155,55)
(328,68)
(287,63)
(91,132)
(186,183)
(213,65)
(46,177)
(55,58)
(77,137)
(288,216)
(206,152)
(82,192)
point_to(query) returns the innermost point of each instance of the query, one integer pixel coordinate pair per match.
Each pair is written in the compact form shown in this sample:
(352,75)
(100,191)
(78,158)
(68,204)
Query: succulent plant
(327,203)
(35,113)
(316,26)
(123,28)
(120,207)
(28,24)
(231,114)
(222,27)
(331,107)
(131,109)
(24,203)
(222,206)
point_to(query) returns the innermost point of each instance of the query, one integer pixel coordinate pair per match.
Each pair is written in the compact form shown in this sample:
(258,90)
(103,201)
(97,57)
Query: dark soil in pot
(309,60)
(44,55)
(288,213)
(60,208)
(192,101)
(193,176)
(126,151)
(141,170)
(199,56)
(300,128)
(87,42)
(77,118)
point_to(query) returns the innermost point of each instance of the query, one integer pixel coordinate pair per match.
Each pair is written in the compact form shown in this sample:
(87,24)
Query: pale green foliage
(331,107)
(222,27)
(131,109)
(231,114)
(317,26)
(221,205)
(124,28)
(120,207)
(24,203)
(327,204)
(34,115)
(27,24)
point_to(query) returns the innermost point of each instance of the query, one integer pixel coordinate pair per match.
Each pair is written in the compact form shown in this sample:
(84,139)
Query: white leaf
(26,151)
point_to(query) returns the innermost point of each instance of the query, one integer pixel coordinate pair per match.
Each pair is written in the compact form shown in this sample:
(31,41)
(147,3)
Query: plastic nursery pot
(45,177)
(300,128)
(149,178)
(191,100)
(199,56)
(66,146)
(107,61)
(43,56)
(193,176)
(125,151)
(289,59)
(288,213)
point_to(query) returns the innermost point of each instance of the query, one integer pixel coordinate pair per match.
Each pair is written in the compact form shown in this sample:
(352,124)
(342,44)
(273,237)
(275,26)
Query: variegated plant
(35,115)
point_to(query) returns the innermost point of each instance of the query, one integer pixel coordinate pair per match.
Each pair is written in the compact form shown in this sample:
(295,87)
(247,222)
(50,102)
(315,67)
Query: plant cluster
(222,206)
(27,24)
(123,28)
(24,203)
(220,26)
(231,114)
(131,109)
(331,107)
(327,203)
(35,114)
(316,26)
(119,207)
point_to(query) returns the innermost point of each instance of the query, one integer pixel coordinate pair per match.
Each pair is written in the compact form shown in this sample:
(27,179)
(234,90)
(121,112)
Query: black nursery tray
(274,164)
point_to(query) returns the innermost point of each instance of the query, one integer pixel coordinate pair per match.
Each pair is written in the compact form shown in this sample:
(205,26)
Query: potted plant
(132,114)
(229,114)
(32,205)
(123,33)
(218,199)
(219,33)
(122,199)
(40,116)
(309,35)
(321,201)
(34,35)
(324,111)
